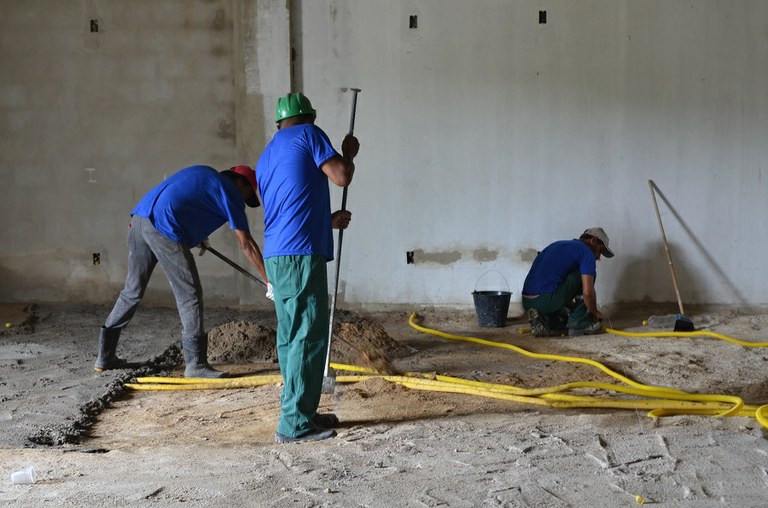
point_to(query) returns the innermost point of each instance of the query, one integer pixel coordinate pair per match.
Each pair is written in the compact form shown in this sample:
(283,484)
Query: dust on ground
(396,446)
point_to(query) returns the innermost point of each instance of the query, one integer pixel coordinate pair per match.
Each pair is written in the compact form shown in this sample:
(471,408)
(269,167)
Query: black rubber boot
(107,358)
(196,359)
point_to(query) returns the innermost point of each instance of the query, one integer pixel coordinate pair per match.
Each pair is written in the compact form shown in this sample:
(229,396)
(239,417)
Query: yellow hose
(180,383)
(658,407)
(737,402)
(572,359)
(761,416)
(540,396)
(669,402)
(644,390)
(720,403)
(697,333)
(274,378)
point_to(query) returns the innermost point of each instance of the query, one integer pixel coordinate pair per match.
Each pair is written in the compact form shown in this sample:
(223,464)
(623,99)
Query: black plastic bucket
(492,308)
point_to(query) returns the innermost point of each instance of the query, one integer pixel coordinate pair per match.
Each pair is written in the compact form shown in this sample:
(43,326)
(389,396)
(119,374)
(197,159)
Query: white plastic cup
(23,476)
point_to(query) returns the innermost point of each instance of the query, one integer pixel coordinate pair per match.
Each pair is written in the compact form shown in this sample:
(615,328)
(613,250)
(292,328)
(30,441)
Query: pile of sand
(246,341)
(241,342)
(354,335)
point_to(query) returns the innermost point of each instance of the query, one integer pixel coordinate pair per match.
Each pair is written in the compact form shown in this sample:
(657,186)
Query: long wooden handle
(653,187)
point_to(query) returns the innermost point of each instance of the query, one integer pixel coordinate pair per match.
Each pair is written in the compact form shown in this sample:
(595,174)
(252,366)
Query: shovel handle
(235,266)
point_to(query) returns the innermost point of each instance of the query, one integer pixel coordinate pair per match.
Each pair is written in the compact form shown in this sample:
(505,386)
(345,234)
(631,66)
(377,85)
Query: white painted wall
(485,135)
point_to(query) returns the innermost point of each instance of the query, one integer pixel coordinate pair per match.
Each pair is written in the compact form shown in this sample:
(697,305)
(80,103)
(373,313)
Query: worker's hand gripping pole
(329,378)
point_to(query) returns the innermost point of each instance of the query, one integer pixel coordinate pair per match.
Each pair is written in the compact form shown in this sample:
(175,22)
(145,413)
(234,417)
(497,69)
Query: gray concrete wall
(262,74)
(485,135)
(90,120)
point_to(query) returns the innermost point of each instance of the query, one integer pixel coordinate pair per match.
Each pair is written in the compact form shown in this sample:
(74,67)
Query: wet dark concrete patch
(72,432)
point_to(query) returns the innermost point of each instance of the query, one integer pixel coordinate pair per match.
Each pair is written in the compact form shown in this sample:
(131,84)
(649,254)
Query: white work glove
(270,292)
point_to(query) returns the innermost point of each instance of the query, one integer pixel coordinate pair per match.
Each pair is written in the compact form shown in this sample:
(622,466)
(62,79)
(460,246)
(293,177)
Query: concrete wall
(95,113)
(485,135)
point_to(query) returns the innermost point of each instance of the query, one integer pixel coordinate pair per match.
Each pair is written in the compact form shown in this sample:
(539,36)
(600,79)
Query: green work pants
(300,284)
(554,308)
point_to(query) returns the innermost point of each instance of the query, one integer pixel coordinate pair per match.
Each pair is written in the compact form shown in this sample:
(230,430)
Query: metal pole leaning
(329,378)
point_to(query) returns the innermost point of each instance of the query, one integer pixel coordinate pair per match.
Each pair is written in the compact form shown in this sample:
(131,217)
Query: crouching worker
(178,214)
(559,291)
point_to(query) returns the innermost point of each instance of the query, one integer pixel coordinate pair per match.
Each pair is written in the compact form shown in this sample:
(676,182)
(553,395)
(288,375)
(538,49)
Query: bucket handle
(486,273)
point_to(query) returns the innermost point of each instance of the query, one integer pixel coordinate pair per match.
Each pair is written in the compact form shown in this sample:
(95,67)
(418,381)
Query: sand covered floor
(94,443)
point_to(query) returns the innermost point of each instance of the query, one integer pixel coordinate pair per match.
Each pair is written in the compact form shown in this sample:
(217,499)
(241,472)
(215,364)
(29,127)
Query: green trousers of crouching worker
(300,284)
(553,308)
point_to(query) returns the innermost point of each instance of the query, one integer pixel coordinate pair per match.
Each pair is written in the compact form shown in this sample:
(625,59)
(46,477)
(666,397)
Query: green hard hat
(293,104)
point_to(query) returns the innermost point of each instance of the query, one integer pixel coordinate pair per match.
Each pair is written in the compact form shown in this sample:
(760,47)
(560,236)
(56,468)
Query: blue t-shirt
(555,262)
(190,205)
(294,191)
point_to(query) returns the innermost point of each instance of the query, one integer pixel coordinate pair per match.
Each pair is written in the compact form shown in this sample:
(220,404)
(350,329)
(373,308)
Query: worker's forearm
(251,251)
(590,300)
(253,255)
(255,259)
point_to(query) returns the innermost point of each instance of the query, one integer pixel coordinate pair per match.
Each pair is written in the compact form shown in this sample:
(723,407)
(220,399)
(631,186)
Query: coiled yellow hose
(665,402)
(640,389)
(541,396)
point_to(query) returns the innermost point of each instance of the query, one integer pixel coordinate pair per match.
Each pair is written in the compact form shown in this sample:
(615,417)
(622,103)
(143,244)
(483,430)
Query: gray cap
(599,233)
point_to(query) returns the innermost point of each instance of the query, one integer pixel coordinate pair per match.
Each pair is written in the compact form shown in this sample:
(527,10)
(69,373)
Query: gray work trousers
(147,247)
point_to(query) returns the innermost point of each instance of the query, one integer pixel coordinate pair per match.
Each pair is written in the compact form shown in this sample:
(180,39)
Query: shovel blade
(329,384)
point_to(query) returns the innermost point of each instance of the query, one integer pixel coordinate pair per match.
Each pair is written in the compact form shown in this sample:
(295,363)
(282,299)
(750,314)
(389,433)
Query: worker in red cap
(180,213)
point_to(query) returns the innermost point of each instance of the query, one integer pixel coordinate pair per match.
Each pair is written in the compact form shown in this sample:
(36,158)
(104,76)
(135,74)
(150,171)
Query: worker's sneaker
(591,329)
(313,435)
(326,420)
(538,328)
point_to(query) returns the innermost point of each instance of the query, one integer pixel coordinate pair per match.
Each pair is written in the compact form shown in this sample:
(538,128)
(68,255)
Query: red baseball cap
(249,174)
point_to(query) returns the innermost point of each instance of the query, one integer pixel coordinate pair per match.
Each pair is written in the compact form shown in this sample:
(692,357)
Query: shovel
(231,263)
(329,375)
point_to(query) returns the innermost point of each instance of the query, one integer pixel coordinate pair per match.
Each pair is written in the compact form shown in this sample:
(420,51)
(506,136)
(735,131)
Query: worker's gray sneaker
(313,435)
(591,329)
(538,328)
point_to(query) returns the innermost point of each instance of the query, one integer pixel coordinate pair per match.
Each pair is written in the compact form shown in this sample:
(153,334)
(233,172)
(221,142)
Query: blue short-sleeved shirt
(294,192)
(555,262)
(190,205)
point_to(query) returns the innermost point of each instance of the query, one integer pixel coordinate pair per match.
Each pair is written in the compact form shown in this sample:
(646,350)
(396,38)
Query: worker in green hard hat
(293,174)
(293,105)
